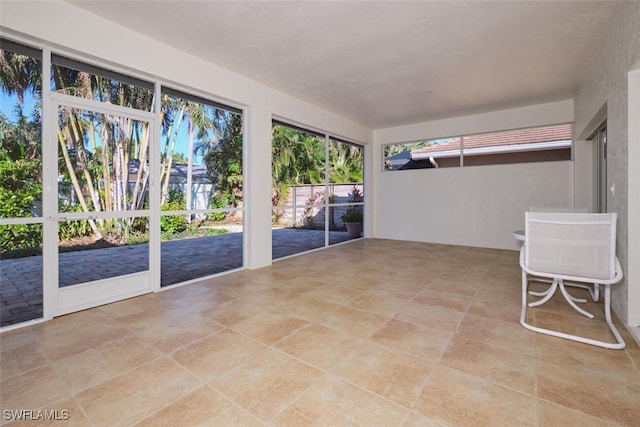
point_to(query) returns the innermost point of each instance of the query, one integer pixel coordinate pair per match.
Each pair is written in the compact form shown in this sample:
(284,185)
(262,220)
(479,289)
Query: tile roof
(518,137)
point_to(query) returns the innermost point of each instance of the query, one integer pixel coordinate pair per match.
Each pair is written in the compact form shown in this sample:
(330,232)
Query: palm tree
(197,120)
(222,155)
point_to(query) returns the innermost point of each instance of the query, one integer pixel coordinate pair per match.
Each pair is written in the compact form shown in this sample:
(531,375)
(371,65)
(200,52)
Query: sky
(8,104)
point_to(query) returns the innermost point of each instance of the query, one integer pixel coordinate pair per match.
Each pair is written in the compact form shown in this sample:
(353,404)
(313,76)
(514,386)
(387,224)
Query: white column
(257,186)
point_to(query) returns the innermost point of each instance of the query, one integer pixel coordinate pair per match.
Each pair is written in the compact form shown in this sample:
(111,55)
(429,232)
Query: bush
(218,202)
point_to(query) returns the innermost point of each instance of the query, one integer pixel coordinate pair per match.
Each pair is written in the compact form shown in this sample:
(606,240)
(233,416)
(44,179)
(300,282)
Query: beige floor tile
(270,298)
(318,346)
(172,329)
(145,304)
(378,303)
(431,316)
(455,398)
(299,285)
(33,389)
(465,273)
(444,299)
(400,288)
(551,415)
(63,337)
(413,419)
(334,402)
(216,353)
(495,363)
(129,398)
(233,311)
(203,407)
(422,341)
(613,363)
(18,360)
(98,364)
(268,327)
(71,322)
(468,289)
(356,281)
(505,334)
(634,352)
(309,309)
(353,322)
(442,366)
(507,312)
(390,373)
(334,294)
(589,392)
(267,383)
(16,338)
(201,299)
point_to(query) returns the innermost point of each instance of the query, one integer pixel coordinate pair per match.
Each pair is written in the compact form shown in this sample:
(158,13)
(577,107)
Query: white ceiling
(386,63)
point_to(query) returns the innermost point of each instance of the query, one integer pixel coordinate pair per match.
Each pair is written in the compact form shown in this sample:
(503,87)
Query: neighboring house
(202,184)
(514,146)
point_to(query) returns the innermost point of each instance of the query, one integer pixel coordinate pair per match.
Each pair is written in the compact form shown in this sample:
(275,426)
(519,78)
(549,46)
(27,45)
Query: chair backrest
(572,244)
(551,209)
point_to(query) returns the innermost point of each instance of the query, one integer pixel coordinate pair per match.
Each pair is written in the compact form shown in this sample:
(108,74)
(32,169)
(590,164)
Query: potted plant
(352,219)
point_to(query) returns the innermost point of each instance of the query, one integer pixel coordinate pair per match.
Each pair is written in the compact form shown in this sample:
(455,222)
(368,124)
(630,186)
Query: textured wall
(606,84)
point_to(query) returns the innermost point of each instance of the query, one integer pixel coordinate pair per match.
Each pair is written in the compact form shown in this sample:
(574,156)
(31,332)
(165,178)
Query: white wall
(608,83)
(476,205)
(633,267)
(101,42)
(584,175)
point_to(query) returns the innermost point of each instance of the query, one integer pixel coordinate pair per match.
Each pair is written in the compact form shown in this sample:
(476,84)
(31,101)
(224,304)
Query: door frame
(58,301)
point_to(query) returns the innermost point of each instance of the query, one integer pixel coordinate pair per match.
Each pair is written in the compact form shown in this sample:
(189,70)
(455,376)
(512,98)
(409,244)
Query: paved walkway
(181,260)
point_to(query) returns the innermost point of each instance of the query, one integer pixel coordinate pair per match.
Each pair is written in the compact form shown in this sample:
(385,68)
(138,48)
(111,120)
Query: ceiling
(390,63)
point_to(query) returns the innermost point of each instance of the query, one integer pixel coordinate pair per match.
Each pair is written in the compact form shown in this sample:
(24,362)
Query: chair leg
(619,344)
(607,314)
(547,294)
(570,300)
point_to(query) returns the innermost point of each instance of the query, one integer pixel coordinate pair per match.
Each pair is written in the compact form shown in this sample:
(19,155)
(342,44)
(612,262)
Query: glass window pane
(190,252)
(545,143)
(87,81)
(291,237)
(20,273)
(202,185)
(427,154)
(20,136)
(346,162)
(122,248)
(298,191)
(103,162)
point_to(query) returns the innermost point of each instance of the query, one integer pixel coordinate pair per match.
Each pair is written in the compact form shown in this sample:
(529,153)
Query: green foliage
(218,202)
(223,158)
(69,230)
(20,240)
(297,157)
(20,183)
(173,224)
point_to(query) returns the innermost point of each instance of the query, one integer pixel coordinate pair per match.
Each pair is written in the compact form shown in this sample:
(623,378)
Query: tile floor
(371,333)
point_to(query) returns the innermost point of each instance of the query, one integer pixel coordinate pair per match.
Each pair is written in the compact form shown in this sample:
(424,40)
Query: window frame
(512,153)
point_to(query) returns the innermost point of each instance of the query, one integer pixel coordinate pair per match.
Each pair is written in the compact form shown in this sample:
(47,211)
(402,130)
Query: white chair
(593,288)
(574,248)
